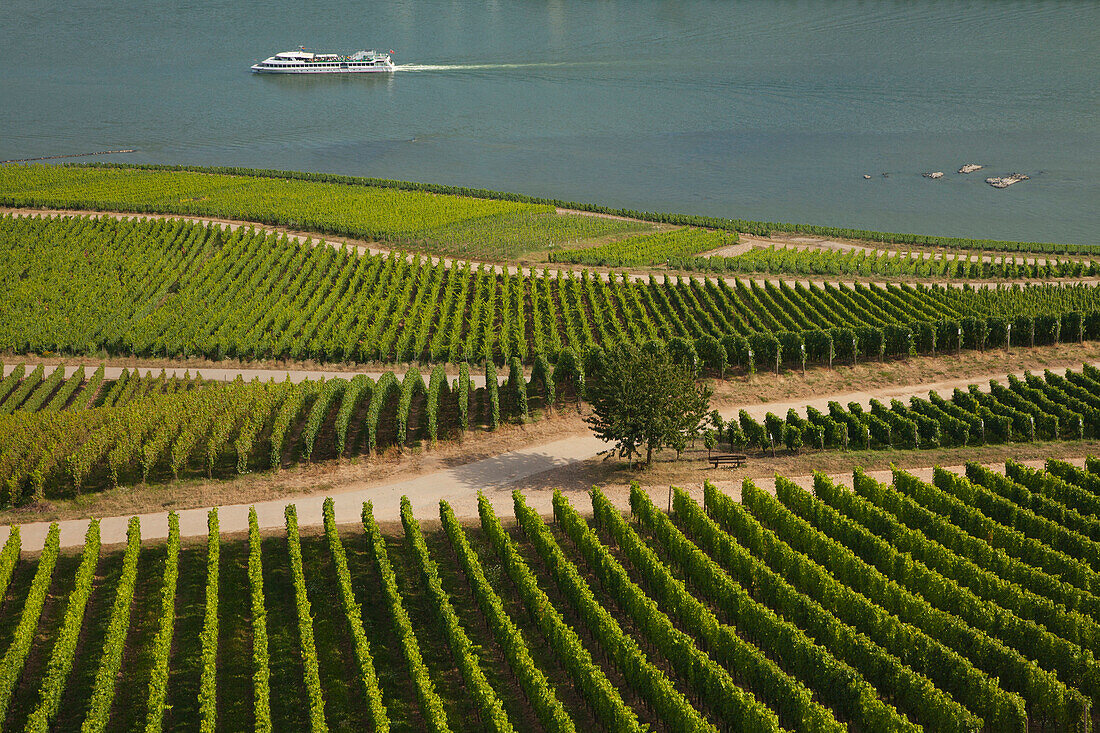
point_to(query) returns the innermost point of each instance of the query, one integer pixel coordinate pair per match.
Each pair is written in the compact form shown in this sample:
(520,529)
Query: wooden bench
(728,459)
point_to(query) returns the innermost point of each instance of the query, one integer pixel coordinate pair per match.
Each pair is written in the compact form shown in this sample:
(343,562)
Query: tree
(642,400)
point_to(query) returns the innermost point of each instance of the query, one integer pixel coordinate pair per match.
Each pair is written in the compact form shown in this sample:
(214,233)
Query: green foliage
(431,706)
(642,402)
(464,396)
(15,656)
(588,677)
(492,395)
(208,681)
(68,636)
(943,265)
(536,686)
(261,659)
(490,708)
(162,644)
(103,692)
(312,674)
(650,682)
(354,615)
(517,387)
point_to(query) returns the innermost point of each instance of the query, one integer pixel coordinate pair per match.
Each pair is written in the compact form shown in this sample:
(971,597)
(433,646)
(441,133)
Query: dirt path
(747,242)
(496,476)
(604,274)
(226,375)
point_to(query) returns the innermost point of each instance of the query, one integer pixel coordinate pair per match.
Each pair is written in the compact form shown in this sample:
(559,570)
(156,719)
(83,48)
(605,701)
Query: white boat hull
(257,69)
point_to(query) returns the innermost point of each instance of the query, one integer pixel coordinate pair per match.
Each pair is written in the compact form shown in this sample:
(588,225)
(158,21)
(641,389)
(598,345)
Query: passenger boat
(308,62)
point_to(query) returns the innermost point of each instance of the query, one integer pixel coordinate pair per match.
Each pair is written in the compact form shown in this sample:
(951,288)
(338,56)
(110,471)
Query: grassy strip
(103,694)
(64,650)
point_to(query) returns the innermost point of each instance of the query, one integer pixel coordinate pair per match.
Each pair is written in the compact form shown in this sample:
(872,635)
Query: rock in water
(866,176)
(970,168)
(1006,181)
(937,174)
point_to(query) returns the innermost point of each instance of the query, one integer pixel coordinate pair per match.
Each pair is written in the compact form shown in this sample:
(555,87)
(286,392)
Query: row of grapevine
(314,695)
(375,212)
(862,636)
(162,643)
(103,692)
(536,687)
(1073,664)
(588,677)
(1074,627)
(648,249)
(194,425)
(64,648)
(938,606)
(431,705)
(353,612)
(707,673)
(927,656)
(15,656)
(1053,407)
(208,683)
(261,660)
(490,709)
(1042,690)
(650,682)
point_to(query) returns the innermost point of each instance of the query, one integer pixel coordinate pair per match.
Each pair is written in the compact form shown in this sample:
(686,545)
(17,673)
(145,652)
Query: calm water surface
(760,109)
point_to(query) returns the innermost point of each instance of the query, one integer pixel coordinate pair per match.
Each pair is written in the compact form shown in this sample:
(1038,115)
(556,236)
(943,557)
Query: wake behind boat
(308,62)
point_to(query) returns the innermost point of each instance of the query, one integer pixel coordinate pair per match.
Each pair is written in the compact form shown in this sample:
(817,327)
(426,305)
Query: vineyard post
(1008,336)
(803,348)
(958,343)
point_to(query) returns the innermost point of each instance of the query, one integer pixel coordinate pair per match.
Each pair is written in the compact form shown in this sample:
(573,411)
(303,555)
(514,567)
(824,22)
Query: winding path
(496,476)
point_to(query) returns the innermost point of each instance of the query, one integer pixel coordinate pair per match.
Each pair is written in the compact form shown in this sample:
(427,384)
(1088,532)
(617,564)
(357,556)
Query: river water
(760,109)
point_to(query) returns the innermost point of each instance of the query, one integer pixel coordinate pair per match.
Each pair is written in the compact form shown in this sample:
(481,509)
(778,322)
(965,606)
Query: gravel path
(496,477)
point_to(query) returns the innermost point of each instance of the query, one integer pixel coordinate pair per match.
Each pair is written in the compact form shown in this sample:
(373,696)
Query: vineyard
(661,248)
(964,604)
(778,260)
(453,224)
(164,288)
(79,187)
(1053,407)
(63,436)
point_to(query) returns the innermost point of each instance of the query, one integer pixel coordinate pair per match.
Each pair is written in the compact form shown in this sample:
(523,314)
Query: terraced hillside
(967,603)
(172,288)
